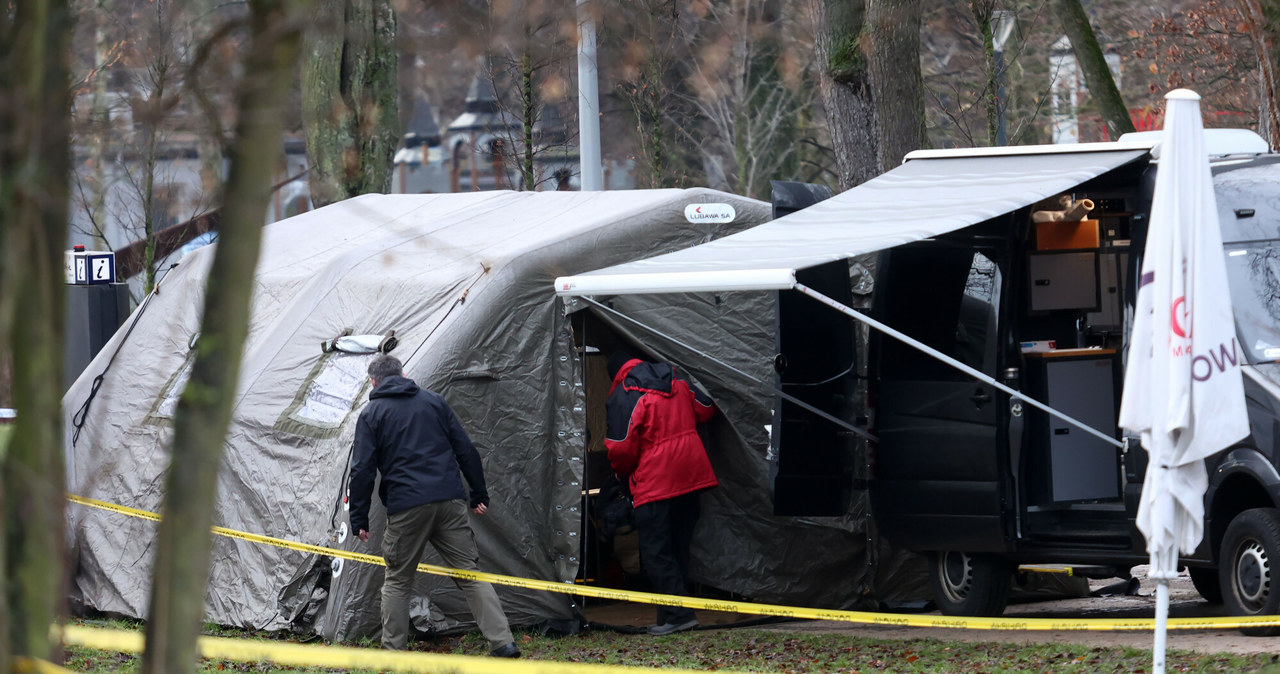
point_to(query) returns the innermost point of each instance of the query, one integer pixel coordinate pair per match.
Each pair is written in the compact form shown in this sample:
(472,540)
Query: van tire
(967,584)
(1207,582)
(1250,561)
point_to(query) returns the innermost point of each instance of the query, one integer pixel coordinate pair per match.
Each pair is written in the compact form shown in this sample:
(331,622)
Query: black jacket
(411,437)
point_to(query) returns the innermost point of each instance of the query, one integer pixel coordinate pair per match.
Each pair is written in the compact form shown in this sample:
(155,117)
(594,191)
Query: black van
(982,482)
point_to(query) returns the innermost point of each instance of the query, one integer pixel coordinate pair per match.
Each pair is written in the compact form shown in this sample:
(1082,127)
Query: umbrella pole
(1162,623)
(1164,567)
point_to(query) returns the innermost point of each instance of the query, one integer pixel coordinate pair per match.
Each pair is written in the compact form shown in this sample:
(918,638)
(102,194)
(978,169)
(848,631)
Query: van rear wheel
(1250,560)
(967,584)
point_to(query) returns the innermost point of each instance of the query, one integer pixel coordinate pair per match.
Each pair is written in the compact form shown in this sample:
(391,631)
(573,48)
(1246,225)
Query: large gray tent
(463,283)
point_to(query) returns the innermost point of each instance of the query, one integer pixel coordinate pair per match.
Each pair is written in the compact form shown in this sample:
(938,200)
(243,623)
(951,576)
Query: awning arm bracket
(976,374)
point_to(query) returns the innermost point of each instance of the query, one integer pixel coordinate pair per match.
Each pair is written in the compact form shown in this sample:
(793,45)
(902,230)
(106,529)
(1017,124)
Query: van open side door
(938,479)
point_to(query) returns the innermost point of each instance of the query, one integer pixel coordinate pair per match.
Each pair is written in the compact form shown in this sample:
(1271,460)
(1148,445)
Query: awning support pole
(785,396)
(976,374)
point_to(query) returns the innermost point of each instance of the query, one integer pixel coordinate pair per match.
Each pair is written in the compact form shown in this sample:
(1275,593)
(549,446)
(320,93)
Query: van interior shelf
(1061,353)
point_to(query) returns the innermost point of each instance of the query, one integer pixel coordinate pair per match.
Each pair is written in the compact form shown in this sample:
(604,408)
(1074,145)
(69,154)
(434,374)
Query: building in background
(420,165)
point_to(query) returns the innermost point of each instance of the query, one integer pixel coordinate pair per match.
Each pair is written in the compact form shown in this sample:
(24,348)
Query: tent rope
(462,299)
(78,419)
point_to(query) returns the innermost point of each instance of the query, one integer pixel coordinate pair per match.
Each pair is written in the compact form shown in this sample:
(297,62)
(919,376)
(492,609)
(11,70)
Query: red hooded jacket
(652,433)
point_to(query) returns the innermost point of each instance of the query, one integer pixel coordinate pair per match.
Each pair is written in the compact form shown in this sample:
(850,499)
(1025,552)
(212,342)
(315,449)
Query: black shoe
(507,650)
(671,628)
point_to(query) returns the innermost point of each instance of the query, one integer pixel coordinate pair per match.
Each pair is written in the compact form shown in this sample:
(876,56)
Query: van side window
(979,307)
(947,298)
(1253,272)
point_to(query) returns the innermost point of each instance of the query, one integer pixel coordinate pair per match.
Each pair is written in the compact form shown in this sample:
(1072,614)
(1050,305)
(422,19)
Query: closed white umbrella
(1182,390)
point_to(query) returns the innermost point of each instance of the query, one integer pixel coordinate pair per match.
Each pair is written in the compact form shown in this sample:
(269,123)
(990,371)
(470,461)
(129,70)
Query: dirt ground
(1184,602)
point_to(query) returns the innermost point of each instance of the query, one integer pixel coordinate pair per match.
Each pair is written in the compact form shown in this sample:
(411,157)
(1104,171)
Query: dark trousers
(666,532)
(445,526)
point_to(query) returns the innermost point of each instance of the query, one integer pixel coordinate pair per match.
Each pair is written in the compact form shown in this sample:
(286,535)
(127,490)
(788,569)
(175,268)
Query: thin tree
(151,113)
(1093,65)
(1262,20)
(748,83)
(126,134)
(532,45)
(983,13)
(183,541)
(34,168)
(653,44)
(95,131)
(349,106)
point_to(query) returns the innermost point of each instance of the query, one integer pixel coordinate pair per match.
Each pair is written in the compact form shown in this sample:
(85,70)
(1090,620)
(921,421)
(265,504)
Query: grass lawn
(761,651)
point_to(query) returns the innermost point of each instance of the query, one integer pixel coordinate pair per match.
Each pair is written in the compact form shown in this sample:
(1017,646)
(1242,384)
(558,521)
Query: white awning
(927,196)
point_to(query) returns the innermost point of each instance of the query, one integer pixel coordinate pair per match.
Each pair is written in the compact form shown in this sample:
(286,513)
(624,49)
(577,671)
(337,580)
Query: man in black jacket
(412,439)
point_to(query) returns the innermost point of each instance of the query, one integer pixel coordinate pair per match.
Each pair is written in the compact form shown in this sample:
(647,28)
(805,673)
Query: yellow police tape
(750,608)
(24,664)
(1048,568)
(343,657)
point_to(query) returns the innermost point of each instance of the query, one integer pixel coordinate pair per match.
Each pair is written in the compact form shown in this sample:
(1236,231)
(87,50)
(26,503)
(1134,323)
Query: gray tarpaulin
(740,545)
(926,196)
(464,280)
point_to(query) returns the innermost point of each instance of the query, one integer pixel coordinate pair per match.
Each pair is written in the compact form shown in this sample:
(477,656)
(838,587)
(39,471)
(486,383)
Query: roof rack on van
(1221,142)
(1016,150)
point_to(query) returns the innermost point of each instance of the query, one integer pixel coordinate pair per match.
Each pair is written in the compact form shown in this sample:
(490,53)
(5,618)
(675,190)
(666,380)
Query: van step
(1100,506)
(1087,570)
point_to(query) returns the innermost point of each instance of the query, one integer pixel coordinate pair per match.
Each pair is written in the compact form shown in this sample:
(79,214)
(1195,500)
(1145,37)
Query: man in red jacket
(654,448)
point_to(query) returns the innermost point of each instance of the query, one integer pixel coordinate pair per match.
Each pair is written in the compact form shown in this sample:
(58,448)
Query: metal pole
(588,102)
(1164,567)
(1162,626)
(1002,28)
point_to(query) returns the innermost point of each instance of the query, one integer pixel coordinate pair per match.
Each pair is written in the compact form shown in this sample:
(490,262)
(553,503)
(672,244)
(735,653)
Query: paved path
(1185,602)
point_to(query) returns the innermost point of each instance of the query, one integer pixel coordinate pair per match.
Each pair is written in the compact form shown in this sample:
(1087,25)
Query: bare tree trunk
(100,128)
(657,139)
(1262,19)
(349,107)
(982,13)
(6,388)
(845,85)
(527,117)
(5,650)
(893,57)
(211,141)
(646,100)
(1097,76)
(740,90)
(649,89)
(151,125)
(35,166)
(204,411)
